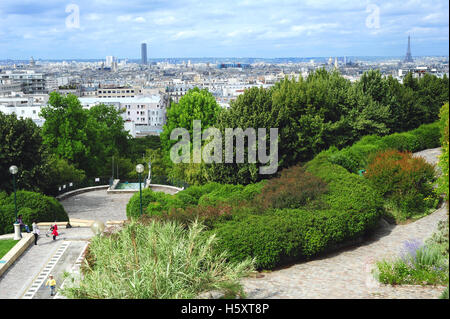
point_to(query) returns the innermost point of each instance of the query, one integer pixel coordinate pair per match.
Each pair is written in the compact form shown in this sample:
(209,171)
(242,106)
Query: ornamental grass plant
(418,265)
(156,260)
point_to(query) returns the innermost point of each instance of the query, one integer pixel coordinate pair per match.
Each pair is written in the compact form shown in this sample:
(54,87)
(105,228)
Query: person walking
(36,231)
(52,283)
(55,231)
(22,225)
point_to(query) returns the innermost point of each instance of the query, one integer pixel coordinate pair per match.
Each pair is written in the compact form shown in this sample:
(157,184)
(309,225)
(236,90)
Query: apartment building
(25,106)
(147,114)
(31,82)
(118,92)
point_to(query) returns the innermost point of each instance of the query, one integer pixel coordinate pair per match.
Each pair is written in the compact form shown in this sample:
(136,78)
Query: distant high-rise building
(109,61)
(408,57)
(144,53)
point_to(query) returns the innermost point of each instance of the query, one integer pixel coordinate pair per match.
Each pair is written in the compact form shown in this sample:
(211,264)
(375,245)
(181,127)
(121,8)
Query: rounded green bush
(153,203)
(277,237)
(357,156)
(32,206)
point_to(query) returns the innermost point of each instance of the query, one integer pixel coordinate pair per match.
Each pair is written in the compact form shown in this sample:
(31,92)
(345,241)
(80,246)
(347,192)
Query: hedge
(288,235)
(277,237)
(30,205)
(350,207)
(210,194)
(357,156)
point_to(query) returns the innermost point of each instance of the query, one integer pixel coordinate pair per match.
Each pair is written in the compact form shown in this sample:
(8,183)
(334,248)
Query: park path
(346,274)
(24,278)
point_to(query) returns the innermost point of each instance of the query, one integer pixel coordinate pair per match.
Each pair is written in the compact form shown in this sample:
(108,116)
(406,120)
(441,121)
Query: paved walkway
(97,205)
(27,276)
(347,273)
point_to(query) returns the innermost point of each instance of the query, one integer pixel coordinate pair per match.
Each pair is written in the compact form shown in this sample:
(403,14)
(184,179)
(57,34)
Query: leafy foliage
(158,260)
(32,206)
(195,105)
(357,156)
(443,186)
(20,145)
(424,265)
(276,237)
(85,138)
(293,189)
(405,181)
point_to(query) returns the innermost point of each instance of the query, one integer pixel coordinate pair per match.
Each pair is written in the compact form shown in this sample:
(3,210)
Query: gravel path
(347,273)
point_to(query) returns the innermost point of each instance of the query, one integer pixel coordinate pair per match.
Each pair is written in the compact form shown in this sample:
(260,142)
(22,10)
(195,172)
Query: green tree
(64,130)
(255,109)
(86,138)
(20,145)
(195,105)
(59,171)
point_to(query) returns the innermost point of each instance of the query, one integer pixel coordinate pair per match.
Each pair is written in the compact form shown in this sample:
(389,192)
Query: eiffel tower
(408,57)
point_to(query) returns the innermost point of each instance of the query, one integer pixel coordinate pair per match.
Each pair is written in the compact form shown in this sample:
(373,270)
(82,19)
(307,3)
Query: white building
(25,106)
(146,113)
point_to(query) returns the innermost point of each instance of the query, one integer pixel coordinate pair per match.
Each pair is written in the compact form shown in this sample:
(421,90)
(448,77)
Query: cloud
(217,28)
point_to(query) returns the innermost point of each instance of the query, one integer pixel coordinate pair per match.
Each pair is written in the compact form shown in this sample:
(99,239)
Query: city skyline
(263,29)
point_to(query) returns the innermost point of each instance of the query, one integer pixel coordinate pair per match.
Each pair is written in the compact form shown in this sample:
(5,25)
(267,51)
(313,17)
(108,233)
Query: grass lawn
(6,245)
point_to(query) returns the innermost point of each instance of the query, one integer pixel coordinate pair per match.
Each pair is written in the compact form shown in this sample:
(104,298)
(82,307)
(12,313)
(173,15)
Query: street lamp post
(17,235)
(139,170)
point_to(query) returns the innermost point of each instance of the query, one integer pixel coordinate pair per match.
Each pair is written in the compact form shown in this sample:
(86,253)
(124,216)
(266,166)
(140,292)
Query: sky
(83,29)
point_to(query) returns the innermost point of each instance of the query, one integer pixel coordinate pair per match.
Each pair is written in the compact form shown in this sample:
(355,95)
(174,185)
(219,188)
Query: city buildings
(144,93)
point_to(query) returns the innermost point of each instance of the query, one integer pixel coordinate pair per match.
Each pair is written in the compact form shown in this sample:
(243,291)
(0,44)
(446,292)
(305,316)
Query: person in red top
(54,231)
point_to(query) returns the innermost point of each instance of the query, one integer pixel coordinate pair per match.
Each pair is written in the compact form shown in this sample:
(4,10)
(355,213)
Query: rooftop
(136,99)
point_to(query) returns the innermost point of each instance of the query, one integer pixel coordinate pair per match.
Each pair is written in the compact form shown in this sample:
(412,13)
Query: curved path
(25,278)
(347,273)
(97,205)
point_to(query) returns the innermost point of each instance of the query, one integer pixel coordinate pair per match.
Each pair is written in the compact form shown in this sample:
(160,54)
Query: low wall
(165,188)
(154,187)
(80,191)
(16,251)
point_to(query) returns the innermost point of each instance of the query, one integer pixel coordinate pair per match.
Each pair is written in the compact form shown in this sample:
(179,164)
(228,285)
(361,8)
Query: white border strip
(75,269)
(37,283)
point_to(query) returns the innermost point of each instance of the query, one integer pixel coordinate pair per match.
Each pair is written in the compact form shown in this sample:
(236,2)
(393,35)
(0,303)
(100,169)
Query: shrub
(158,260)
(193,202)
(443,181)
(419,264)
(32,206)
(153,203)
(208,215)
(404,181)
(284,236)
(228,193)
(440,237)
(357,156)
(293,189)
(276,237)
